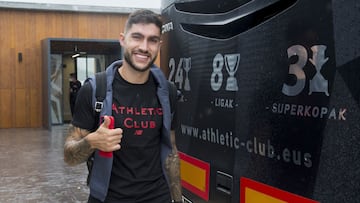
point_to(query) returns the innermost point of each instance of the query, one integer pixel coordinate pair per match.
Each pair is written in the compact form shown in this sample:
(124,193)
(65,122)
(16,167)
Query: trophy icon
(187,67)
(318,83)
(232,64)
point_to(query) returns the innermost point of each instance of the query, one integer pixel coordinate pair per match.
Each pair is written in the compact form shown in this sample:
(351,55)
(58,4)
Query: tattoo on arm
(76,148)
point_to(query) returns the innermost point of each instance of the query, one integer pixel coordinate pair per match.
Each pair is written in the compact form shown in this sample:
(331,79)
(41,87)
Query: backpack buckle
(98,106)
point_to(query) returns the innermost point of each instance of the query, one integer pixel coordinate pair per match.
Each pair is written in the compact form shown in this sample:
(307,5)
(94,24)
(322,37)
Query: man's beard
(127,58)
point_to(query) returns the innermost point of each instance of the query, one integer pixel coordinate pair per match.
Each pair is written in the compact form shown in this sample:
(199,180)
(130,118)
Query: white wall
(117,6)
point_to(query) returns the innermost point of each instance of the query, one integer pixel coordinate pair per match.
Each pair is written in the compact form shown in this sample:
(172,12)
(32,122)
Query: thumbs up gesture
(108,122)
(106,138)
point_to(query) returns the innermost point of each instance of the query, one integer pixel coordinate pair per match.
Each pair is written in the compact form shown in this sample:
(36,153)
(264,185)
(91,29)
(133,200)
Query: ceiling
(72,46)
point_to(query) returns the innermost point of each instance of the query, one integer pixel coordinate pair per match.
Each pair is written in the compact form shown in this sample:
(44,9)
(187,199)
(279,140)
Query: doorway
(63,57)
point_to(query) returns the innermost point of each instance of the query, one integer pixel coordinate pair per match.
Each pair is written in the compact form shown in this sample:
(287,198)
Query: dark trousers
(93,200)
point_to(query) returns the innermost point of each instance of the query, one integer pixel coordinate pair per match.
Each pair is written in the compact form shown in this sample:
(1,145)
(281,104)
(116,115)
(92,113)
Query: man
(140,141)
(74,88)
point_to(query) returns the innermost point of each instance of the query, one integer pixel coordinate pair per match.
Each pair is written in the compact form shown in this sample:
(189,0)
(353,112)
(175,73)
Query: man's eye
(154,40)
(136,37)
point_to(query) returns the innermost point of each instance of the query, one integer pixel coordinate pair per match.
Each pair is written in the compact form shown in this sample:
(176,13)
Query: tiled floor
(32,169)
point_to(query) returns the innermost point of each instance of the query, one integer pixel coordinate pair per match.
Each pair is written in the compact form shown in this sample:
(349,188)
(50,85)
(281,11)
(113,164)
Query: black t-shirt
(136,174)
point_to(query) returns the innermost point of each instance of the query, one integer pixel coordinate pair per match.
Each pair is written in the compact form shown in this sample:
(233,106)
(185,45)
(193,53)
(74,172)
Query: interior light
(75,55)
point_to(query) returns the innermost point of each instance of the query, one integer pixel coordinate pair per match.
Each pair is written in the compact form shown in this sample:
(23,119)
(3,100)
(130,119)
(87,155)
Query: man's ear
(121,39)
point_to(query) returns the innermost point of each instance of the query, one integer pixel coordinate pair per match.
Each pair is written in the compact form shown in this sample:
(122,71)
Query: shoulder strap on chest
(100,93)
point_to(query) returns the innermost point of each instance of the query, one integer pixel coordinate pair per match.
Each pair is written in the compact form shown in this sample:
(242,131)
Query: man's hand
(80,143)
(105,139)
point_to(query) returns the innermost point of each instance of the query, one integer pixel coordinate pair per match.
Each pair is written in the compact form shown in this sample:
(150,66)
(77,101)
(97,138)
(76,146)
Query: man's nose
(144,45)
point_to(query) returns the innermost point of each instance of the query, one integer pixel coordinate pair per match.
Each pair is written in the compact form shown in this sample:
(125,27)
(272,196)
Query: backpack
(100,95)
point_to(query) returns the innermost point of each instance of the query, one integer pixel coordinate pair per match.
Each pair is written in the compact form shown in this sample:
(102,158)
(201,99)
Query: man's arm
(80,143)
(76,148)
(172,164)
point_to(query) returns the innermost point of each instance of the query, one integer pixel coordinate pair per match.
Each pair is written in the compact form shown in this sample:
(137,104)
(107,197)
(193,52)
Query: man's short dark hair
(143,16)
(72,75)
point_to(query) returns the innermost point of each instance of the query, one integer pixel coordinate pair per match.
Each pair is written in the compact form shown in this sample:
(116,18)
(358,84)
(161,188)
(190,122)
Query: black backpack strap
(100,94)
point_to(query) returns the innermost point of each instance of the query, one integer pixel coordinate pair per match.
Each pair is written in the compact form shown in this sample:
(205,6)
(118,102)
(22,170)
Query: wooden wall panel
(21,70)
(32,67)
(41,25)
(6,108)
(21,32)
(22,110)
(29,26)
(5,69)
(83,26)
(36,107)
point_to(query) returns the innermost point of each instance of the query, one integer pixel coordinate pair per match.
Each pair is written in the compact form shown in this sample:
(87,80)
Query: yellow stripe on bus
(193,175)
(253,196)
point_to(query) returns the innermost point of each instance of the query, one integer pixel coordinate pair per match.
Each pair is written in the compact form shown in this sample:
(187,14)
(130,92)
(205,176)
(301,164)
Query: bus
(269,111)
